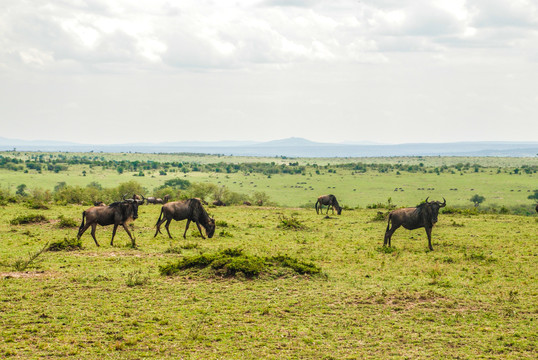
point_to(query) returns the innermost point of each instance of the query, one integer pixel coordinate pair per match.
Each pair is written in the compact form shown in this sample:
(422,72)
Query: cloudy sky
(391,71)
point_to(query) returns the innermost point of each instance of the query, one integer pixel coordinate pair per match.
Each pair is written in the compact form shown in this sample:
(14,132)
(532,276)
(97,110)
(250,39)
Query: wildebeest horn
(123,197)
(444,203)
(427,199)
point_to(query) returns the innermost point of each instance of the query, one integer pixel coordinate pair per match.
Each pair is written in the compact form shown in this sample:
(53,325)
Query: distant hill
(290,147)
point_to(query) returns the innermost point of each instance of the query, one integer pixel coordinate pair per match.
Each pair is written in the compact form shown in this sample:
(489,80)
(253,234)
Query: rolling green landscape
(276,280)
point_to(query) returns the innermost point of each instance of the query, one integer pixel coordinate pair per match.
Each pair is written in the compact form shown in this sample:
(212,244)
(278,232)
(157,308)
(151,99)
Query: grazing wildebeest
(247,203)
(98,203)
(190,209)
(424,215)
(330,201)
(219,203)
(117,213)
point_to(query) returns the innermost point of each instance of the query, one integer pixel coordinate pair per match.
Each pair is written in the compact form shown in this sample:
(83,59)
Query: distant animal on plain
(330,201)
(98,203)
(190,210)
(219,203)
(247,203)
(117,213)
(424,215)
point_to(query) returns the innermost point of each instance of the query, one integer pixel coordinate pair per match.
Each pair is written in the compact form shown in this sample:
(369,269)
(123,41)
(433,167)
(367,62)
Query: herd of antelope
(122,212)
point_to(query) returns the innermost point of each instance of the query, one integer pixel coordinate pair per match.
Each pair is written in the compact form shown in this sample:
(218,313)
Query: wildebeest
(190,209)
(117,213)
(219,203)
(424,215)
(154,200)
(98,203)
(247,203)
(330,201)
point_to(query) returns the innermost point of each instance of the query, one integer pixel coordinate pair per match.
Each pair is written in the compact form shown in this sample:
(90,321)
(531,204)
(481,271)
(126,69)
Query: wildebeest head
(210,227)
(430,210)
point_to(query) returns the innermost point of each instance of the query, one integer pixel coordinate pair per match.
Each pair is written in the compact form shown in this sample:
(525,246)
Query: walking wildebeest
(330,201)
(424,215)
(118,213)
(190,209)
(154,200)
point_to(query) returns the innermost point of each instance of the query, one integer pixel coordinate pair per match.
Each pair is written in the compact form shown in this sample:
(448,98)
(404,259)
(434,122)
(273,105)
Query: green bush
(231,262)
(66,245)
(291,223)
(28,219)
(66,222)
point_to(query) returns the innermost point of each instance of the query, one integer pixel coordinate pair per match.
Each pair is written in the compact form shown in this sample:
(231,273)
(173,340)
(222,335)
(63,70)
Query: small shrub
(66,222)
(290,223)
(231,262)
(28,219)
(189,246)
(221,223)
(34,205)
(136,278)
(66,245)
(224,233)
(380,216)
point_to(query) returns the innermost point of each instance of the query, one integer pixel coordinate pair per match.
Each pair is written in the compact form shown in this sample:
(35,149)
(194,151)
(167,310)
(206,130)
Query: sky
(386,71)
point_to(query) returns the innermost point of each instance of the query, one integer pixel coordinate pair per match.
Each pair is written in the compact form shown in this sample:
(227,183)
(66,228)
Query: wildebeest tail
(388,222)
(316,206)
(82,224)
(160,217)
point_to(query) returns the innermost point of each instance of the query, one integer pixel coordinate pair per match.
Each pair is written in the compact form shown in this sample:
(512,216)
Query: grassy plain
(496,179)
(474,296)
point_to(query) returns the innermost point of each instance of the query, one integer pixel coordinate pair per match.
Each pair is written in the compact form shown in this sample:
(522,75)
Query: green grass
(474,296)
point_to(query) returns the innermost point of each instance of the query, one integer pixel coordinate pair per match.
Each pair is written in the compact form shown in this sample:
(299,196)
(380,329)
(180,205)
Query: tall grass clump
(232,262)
(28,219)
(66,244)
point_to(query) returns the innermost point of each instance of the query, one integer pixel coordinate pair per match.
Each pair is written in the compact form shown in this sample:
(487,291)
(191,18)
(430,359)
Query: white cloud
(277,68)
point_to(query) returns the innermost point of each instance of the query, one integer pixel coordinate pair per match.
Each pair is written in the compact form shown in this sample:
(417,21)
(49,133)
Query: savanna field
(277,280)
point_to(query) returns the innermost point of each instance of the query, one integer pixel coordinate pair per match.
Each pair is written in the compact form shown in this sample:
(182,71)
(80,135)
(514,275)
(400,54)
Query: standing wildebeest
(330,201)
(98,203)
(190,209)
(424,215)
(118,213)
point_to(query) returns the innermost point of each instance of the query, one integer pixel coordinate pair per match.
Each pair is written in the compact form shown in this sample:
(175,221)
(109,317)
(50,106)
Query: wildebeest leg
(129,233)
(199,229)
(159,223)
(167,226)
(94,226)
(113,234)
(186,228)
(81,231)
(388,235)
(429,233)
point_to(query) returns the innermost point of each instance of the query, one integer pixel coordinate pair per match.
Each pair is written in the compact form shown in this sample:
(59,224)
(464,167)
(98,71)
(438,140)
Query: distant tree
(21,190)
(477,200)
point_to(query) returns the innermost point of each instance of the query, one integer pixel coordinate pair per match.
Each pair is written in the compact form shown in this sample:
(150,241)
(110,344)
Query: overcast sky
(391,71)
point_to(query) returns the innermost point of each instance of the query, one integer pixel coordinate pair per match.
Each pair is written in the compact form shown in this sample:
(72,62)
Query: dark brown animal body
(425,215)
(330,201)
(247,203)
(118,213)
(219,203)
(98,203)
(191,210)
